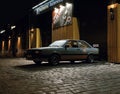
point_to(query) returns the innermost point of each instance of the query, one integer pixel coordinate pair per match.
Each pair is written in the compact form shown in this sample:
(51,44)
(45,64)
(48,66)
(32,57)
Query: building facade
(113,33)
(48,21)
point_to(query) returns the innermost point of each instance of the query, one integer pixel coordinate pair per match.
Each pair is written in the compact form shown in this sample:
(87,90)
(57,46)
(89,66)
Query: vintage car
(63,50)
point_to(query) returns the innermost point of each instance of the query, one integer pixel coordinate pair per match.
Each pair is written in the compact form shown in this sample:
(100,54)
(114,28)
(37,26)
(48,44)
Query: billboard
(62,16)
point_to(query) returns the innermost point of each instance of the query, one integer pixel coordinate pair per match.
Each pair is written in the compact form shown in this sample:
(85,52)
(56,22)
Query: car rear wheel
(38,62)
(90,59)
(54,59)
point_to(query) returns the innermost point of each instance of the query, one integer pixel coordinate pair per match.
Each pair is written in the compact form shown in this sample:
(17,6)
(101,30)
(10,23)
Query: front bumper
(36,56)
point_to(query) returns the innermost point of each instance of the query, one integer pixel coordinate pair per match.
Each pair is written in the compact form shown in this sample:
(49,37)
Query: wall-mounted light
(112,8)
(32,30)
(2,31)
(13,27)
(9,37)
(112,13)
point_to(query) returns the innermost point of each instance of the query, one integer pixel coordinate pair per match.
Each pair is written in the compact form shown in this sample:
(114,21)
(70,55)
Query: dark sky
(13,10)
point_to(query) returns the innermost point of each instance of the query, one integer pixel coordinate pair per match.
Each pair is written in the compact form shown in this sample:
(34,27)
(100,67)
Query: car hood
(44,48)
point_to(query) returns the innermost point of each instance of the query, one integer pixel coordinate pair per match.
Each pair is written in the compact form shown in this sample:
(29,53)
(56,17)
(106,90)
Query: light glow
(19,43)
(9,44)
(12,27)
(32,30)
(112,6)
(2,31)
(3,47)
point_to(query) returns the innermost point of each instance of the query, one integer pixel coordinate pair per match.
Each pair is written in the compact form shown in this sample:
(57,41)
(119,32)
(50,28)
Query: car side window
(75,44)
(72,44)
(68,44)
(83,44)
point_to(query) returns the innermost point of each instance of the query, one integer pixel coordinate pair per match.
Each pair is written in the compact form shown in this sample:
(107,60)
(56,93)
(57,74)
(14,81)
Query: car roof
(70,39)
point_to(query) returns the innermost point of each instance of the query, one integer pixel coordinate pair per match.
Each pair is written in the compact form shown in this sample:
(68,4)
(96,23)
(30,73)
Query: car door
(72,50)
(84,49)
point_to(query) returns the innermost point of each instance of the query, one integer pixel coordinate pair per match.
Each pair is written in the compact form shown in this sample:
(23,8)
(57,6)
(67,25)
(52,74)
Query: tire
(38,62)
(90,59)
(54,59)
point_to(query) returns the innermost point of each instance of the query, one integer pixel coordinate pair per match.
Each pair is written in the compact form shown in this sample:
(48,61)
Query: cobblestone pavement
(19,76)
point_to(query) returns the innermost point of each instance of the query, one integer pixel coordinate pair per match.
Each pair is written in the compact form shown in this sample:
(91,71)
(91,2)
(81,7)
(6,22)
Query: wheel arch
(55,54)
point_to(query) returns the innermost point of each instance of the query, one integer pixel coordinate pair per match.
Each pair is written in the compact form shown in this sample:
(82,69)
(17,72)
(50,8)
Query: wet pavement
(20,76)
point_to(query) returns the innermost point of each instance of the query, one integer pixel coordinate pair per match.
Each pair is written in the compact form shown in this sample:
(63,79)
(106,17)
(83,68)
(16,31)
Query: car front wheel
(90,59)
(54,59)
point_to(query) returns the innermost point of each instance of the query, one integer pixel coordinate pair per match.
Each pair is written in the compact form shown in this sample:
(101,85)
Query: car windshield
(58,43)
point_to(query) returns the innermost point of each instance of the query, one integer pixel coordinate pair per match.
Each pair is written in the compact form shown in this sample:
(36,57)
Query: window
(83,44)
(72,43)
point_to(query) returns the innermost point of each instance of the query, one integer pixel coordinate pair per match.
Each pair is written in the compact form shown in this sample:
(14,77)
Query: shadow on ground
(47,66)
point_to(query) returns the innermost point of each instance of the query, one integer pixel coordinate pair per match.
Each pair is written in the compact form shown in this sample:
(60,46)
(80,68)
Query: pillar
(113,34)
(35,40)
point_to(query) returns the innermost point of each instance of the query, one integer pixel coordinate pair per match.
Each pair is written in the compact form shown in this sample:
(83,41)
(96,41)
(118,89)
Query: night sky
(13,10)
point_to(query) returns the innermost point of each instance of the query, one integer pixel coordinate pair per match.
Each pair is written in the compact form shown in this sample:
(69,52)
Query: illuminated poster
(62,16)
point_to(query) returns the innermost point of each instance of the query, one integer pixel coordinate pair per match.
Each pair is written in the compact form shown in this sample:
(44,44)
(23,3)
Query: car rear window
(84,44)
